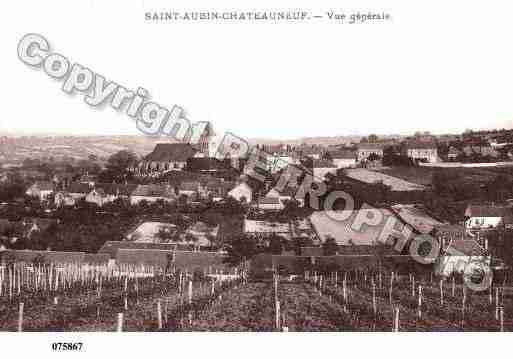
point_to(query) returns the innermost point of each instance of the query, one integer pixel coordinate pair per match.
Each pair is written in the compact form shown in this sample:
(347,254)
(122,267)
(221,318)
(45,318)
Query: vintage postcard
(272,175)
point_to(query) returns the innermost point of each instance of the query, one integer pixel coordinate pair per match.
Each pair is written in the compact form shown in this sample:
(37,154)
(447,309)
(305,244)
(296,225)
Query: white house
(64,199)
(152,193)
(270,204)
(343,158)
(367,149)
(242,190)
(486,216)
(419,150)
(41,190)
(97,196)
(322,167)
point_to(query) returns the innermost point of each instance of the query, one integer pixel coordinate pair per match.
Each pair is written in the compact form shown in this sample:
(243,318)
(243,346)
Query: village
(180,198)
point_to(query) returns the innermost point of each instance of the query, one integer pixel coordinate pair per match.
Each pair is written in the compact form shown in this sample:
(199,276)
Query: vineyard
(142,298)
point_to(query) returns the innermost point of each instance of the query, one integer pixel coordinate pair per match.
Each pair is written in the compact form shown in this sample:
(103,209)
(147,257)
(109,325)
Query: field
(147,299)
(395,182)
(423,175)
(325,304)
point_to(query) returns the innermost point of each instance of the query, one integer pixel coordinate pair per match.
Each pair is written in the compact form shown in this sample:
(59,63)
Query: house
(270,204)
(218,189)
(322,167)
(242,191)
(458,255)
(167,157)
(453,153)
(152,193)
(191,189)
(312,151)
(153,232)
(287,194)
(114,191)
(78,190)
(41,189)
(97,196)
(364,150)
(479,217)
(421,151)
(203,234)
(343,158)
(265,229)
(62,198)
(38,225)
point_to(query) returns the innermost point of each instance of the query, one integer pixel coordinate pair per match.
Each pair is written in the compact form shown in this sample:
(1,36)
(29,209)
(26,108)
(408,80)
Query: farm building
(152,193)
(78,190)
(41,190)
(204,261)
(191,189)
(264,228)
(270,204)
(204,234)
(422,151)
(242,190)
(151,232)
(366,149)
(343,158)
(218,189)
(167,157)
(479,217)
(111,248)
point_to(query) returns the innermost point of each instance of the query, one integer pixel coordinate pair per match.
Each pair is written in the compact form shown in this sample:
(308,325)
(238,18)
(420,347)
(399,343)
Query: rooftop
(171,152)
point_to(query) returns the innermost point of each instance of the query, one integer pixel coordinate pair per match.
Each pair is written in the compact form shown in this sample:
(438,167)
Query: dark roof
(43,185)
(171,152)
(370,146)
(189,186)
(323,164)
(154,190)
(207,164)
(342,154)
(269,200)
(420,145)
(116,189)
(487,211)
(77,187)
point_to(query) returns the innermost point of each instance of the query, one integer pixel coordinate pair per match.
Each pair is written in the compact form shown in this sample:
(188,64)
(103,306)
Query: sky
(436,66)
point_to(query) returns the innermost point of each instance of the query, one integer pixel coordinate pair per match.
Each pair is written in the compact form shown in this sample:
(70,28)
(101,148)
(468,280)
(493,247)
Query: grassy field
(423,175)
(396,183)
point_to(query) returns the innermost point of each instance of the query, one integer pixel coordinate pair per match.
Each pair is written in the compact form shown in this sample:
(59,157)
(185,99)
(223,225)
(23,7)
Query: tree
(241,248)
(118,165)
(372,138)
(276,244)
(330,246)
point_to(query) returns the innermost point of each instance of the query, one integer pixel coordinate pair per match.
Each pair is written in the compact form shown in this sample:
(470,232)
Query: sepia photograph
(248,179)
